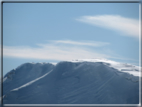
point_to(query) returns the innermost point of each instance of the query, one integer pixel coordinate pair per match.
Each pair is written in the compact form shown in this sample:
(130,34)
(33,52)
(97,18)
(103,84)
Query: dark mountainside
(70,83)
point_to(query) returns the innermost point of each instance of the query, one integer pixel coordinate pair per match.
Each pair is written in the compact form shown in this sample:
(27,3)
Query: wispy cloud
(54,51)
(81,43)
(60,50)
(125,26)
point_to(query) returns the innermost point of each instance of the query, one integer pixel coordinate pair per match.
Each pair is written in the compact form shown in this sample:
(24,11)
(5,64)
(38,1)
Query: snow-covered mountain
(95,81)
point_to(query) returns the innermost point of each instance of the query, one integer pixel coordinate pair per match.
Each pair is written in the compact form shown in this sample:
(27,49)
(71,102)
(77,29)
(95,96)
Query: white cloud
(83,43)
(53,51)
(126,26)
(60,50)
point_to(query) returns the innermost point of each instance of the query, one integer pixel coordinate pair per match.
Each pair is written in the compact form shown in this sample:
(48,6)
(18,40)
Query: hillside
(72,82)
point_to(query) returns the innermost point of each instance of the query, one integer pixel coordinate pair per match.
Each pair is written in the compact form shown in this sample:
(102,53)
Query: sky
(53,32)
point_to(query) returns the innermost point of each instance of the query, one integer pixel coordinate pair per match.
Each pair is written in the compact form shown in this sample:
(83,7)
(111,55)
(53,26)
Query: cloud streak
(61,50)
(81,43)
(55,50)
(125,26)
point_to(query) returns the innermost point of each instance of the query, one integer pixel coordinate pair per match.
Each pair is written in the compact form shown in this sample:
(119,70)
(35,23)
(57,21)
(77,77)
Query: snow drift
(72,82)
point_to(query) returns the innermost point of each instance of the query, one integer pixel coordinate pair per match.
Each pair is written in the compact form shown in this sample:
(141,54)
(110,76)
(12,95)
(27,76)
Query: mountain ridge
(74,83)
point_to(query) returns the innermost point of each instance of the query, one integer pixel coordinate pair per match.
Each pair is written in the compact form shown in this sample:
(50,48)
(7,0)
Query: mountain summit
(95,81)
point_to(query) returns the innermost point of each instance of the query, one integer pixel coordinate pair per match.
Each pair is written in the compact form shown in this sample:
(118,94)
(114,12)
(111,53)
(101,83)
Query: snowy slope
(131,69)
(24,74)
(71,82)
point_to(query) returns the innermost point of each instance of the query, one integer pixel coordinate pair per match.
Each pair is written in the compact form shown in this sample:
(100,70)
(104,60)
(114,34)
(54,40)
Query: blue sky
(52,32)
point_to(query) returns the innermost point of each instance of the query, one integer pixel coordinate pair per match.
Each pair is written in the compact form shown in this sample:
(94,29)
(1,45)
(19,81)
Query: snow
(23,74)
(53,63)
(4,79)
(131,69)
(25,85)
(84,81)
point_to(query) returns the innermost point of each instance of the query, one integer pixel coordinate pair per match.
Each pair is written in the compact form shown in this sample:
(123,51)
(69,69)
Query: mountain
(95,81)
